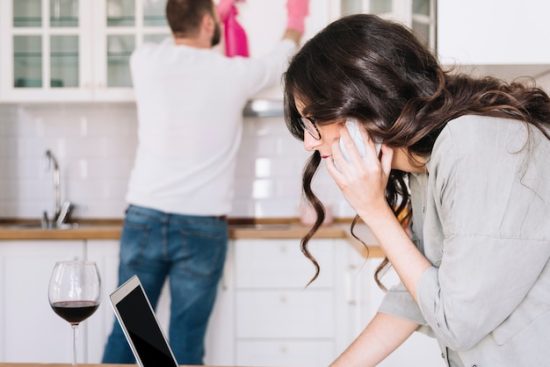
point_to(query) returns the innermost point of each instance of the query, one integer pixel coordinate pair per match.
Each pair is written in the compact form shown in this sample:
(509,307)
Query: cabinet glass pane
(422,32)
(154,38)
(64,61)
(380,6)
(27,61)
(27,13)
(119,49)
(349,7)
(64,13)
(121,13)
(154,13)
(421,7)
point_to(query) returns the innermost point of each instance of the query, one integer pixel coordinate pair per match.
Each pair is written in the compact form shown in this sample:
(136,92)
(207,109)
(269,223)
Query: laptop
(137,319)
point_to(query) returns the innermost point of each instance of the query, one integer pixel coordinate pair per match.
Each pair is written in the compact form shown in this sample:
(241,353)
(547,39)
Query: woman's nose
(310,143)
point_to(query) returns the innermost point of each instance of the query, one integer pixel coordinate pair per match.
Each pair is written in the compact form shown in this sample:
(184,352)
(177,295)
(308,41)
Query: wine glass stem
(74,326)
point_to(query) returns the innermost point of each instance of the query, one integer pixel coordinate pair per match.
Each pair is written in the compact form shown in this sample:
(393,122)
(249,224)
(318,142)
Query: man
(190,100)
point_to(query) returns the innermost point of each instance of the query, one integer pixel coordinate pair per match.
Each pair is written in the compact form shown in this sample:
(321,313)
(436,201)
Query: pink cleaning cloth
(297,11)
(236,41)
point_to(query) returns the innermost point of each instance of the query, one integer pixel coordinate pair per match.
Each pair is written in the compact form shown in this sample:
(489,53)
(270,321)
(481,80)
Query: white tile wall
(95,145)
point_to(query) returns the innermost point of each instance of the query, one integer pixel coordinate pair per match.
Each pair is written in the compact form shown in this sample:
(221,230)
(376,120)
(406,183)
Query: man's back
(190,104)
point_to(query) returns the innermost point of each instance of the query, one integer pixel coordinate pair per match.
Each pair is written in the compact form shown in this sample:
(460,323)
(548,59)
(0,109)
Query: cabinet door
(32,332)
(418,15)
(514,36)
(45,50)
(98,327)
(276,264)
(285,353)
(120,27)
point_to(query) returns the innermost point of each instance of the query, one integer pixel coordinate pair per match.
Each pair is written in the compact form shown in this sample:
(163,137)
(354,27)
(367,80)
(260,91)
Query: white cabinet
(493,32)
(78,50)
(263,315)
(73,50)
(30,330)
(418,15)
(278,321)
(99,325)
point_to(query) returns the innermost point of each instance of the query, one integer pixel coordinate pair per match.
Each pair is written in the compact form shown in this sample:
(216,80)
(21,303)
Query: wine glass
(74,292)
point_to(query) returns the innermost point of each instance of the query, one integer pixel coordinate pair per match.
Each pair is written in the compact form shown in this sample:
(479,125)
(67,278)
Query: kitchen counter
(238,229)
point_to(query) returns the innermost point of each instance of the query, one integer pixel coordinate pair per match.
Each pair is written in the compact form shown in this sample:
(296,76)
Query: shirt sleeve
(266,71)
(491,211)
(399,302)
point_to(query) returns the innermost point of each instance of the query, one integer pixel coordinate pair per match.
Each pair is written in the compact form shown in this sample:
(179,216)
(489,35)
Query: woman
(471,160)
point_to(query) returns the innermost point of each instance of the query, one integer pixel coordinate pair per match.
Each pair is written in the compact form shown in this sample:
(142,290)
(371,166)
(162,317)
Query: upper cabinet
(73,50)
(418,15)
(493,32)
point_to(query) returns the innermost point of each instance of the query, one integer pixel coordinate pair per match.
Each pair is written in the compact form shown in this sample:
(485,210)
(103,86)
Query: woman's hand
(363,180)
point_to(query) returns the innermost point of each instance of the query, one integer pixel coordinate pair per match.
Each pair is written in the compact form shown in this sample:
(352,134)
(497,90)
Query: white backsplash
(95,145)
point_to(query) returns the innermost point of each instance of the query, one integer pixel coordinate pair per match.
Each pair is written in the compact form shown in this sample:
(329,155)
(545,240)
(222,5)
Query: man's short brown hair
(185,16)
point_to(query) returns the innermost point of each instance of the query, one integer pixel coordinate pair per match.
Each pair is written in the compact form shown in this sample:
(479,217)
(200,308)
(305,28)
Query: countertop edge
(236,232)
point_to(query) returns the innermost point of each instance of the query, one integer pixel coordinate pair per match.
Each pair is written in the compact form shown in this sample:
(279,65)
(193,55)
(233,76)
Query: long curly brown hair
(376,71)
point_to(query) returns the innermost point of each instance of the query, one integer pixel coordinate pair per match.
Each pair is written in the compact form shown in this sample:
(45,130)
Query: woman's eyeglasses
(309,126)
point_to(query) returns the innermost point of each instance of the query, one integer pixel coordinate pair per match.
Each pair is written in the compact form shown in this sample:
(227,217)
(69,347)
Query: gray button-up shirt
(481,215)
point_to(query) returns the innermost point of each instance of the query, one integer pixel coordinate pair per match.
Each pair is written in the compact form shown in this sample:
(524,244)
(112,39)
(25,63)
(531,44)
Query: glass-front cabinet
(418,15)
(123,25)
(43,50)
(74,50)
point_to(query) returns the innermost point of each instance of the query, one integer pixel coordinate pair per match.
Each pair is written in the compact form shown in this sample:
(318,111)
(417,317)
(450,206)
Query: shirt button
(443,355)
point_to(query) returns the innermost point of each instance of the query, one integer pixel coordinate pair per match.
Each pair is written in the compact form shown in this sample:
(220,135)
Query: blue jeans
(190,250)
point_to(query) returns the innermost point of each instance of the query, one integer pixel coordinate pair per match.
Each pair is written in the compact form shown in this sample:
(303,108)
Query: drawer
(281,264)
(285,314)
(284,353)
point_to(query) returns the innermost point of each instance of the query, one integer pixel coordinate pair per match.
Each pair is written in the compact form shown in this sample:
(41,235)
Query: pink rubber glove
(223,8)
(297,11)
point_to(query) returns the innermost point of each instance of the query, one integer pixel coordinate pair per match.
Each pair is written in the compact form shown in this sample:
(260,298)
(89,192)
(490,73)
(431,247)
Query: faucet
(61,211)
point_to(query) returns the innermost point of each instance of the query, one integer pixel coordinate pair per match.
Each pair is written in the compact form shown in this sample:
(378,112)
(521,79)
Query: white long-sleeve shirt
(190,104)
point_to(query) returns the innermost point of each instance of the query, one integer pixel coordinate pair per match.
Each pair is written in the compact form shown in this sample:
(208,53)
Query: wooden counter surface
(109,231)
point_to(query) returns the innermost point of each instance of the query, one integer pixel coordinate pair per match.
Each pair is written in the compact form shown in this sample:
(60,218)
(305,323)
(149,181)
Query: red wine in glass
(75,311)
(74,293)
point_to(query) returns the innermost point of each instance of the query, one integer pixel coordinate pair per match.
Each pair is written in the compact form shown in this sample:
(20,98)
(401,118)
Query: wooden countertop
(274,229)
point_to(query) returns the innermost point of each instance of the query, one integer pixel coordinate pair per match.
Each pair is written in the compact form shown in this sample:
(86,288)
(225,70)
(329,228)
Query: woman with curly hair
(468,160)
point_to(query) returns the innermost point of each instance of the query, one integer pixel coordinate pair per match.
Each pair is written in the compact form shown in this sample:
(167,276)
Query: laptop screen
(144,331)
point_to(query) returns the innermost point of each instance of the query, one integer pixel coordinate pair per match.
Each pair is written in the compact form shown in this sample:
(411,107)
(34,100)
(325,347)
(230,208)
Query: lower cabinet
(264,314)
(29,329)
(99,325)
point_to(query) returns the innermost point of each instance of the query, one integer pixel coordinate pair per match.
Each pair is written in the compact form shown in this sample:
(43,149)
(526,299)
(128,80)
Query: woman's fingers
(338,177)
(340,162)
